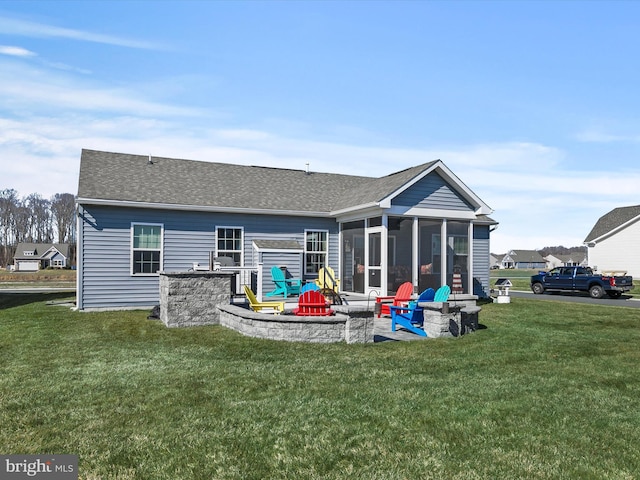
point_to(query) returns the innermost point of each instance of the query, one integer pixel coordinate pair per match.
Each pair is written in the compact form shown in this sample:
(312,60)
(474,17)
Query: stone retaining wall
(204,298)
(336,328)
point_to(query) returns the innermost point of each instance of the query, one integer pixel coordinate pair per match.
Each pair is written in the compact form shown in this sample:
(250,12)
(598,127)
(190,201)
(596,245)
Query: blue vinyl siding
(105,279)
(481,261)
(432,192)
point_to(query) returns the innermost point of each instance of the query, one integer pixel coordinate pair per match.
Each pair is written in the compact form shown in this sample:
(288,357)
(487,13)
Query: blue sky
(534,105)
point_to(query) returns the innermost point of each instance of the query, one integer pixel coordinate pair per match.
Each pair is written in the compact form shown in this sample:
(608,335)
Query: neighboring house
(575,259)
(31,257)
(495,260)
(527,259)
(612,244)
(139,215)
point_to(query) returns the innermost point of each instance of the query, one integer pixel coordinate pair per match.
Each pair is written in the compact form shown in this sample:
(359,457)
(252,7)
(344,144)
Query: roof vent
(307,170)
(149,161)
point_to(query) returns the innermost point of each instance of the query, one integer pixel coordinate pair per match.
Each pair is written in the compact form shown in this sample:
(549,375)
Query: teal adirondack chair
(442,294)
(411,317)
(284,286)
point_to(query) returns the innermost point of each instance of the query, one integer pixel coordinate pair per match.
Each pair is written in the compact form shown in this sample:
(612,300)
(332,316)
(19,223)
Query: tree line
(34,219)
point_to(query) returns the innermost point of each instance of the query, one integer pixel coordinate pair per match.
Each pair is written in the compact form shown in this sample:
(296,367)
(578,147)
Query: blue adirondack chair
(284,286)
(307,287)
(411,317)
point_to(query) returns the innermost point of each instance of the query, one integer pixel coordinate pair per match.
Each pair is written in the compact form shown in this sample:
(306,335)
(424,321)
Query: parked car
(581,279)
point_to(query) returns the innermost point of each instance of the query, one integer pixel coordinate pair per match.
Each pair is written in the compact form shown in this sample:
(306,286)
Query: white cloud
(16,51)
(600,135)
(38,90)
(12,26)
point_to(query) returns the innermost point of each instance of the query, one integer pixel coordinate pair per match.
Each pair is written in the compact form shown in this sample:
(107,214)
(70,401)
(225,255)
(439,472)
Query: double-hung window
(146,248)
(315,250)
(230,243)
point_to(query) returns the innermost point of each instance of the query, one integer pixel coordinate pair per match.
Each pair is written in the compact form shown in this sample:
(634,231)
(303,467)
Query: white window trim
(326,252)
(161,225)
(232,227)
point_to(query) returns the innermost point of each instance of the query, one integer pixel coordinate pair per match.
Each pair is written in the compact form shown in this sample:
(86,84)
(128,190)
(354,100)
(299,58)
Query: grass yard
(547,390)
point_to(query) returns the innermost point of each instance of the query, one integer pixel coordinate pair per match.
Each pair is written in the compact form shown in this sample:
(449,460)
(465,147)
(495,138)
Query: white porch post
(470,266)
(384,255)
(443,252)
(415,254)
(259,281)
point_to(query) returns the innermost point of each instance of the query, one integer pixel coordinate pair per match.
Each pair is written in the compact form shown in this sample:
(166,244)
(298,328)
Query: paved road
(624,301)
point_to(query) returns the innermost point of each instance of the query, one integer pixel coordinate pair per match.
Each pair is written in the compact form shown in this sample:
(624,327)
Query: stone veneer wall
(451,319)
(191,298)
(336,328)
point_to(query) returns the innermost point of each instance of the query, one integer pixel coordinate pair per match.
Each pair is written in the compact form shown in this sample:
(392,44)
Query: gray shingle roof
(612,220)
(526,256)
(279,245)
(39,249)
(125,177)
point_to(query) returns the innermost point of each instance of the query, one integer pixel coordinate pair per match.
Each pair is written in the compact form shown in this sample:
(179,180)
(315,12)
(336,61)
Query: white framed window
(146,248)
(316,246)
(229,241)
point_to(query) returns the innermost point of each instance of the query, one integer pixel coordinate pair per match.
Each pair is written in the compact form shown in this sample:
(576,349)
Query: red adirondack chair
(312,304)
(402,296)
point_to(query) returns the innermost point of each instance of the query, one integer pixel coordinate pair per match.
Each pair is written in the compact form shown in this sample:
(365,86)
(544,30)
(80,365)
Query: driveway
(624,301)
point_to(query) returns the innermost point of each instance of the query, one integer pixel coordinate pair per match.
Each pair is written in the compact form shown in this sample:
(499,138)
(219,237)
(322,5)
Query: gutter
(199,208)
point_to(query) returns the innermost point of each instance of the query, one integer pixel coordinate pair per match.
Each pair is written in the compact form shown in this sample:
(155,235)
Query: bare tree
(63,207)
(40,224)
(22,225)
(9,203)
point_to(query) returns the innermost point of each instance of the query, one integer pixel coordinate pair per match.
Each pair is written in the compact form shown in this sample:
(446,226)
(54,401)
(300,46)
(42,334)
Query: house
(575,259)
(612,243)
(495,260)
(528,259)
(139,215)
(31,257)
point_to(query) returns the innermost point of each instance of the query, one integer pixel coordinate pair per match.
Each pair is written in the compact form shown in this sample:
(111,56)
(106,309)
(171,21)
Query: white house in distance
(518,259)
(613,242)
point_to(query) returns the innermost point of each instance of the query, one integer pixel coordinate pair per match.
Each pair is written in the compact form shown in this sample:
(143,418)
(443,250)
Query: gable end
(432,192)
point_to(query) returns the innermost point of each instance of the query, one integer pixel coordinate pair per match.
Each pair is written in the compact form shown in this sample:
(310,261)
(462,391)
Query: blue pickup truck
(581,279)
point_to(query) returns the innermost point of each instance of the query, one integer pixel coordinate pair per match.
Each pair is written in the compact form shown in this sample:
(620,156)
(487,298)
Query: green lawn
(547,390)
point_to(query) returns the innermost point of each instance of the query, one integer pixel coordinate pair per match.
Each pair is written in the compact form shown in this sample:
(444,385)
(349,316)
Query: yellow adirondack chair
(327,279)
(256,306)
